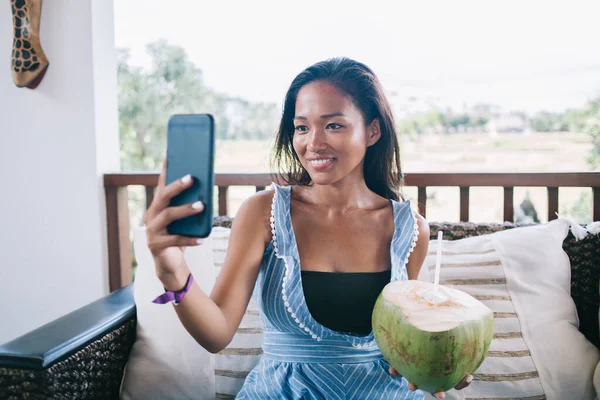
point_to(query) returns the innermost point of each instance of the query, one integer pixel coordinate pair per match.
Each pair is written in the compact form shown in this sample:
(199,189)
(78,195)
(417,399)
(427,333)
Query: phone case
(190,150)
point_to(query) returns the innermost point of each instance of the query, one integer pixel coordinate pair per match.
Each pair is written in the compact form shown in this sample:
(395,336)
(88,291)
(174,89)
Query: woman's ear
(374,132)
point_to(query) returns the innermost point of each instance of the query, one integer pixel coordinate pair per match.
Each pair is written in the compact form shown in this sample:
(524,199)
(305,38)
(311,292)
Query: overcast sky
(524,54)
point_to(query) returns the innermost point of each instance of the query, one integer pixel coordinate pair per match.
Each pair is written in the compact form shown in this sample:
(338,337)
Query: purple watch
(174,297)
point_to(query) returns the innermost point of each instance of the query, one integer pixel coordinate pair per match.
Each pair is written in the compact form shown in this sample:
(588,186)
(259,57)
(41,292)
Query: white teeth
(320,162)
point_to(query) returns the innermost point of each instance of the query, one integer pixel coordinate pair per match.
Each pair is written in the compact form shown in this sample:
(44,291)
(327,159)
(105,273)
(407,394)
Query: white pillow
(165,361)
(524,276)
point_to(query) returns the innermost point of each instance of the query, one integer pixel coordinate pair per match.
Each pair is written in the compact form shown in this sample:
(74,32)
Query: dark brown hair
(382,171)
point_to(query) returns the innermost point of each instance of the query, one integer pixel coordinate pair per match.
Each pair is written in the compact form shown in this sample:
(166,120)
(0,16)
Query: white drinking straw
(438,262)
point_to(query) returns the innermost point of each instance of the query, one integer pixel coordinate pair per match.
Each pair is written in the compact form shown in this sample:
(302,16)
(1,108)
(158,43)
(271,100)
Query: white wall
(55,143)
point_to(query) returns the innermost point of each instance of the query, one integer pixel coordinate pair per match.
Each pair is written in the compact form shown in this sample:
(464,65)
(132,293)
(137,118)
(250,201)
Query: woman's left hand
(440,395)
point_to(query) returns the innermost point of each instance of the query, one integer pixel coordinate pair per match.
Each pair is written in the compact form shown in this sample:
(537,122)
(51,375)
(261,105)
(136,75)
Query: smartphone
(190,150)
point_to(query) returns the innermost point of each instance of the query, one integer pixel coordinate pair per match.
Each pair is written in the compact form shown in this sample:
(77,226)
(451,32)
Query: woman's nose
(316,140)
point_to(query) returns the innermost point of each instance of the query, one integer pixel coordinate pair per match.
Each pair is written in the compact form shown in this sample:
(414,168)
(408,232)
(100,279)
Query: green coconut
(432,338)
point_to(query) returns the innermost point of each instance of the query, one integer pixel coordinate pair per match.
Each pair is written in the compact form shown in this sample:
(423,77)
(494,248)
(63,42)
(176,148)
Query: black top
(343,301)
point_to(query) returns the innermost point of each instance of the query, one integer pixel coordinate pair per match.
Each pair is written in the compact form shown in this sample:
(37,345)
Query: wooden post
(223,200)
(464,204)
(508,204)
(552,203)
(119,246)
(422,200)
(596,203)
(149,195)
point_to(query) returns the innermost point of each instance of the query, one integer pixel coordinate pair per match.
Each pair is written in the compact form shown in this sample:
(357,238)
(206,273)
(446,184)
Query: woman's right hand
(167,249)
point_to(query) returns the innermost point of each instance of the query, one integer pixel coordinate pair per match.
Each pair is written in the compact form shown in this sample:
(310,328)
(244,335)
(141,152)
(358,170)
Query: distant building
(508,123)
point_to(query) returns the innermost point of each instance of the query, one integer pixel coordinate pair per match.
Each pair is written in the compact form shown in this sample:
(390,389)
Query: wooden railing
(117,210)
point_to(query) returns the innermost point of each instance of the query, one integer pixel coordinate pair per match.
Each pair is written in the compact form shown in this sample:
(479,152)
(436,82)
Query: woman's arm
(212,321)
(416,258)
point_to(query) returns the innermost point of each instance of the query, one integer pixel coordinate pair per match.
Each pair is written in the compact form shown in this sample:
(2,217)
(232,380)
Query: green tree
(587,120)
(432,118)
(173,84)
(592,128)
(456,120)
(580,210)
(481,113)
(574,120)
(408,125)
(545,121)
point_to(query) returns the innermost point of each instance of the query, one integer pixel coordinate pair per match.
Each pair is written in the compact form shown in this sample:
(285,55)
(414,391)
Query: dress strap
(404,241)
(286,249)
(280,229)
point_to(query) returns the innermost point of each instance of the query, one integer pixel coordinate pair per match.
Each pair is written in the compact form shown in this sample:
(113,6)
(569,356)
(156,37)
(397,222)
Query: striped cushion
(474,266)
(518,364)
(233,363)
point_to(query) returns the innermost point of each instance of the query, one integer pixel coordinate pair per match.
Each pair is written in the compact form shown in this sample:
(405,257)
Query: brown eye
(334,127)
(301,128)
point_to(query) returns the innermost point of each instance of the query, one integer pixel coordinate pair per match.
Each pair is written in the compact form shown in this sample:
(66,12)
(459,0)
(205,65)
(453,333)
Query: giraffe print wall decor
(29,63)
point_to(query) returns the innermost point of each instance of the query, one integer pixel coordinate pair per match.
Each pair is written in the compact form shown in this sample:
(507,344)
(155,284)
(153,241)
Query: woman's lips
(321,163)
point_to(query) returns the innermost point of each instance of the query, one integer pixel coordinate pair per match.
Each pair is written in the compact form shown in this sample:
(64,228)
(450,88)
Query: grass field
(537,152)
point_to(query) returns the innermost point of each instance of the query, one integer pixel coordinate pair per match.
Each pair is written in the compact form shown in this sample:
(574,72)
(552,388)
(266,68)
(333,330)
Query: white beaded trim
(285,276)
(272,221)
(414,242)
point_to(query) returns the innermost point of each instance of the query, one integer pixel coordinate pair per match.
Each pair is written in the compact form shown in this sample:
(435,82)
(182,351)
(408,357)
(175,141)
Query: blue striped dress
(303,359)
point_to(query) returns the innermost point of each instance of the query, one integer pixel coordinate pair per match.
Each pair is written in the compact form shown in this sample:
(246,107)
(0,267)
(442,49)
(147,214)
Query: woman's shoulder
(254,214)
(258,204)
(423,227)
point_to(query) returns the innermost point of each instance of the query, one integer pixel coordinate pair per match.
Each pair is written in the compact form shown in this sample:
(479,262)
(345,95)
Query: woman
(316,253)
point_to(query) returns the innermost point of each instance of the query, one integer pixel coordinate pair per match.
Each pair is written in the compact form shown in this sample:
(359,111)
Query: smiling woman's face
(330,136)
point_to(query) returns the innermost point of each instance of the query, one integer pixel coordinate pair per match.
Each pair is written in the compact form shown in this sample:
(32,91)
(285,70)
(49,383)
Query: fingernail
(197,205)
(186,179)
(199,241)
(469,379)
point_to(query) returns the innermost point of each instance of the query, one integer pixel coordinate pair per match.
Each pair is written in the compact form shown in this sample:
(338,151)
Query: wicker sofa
(83,354)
